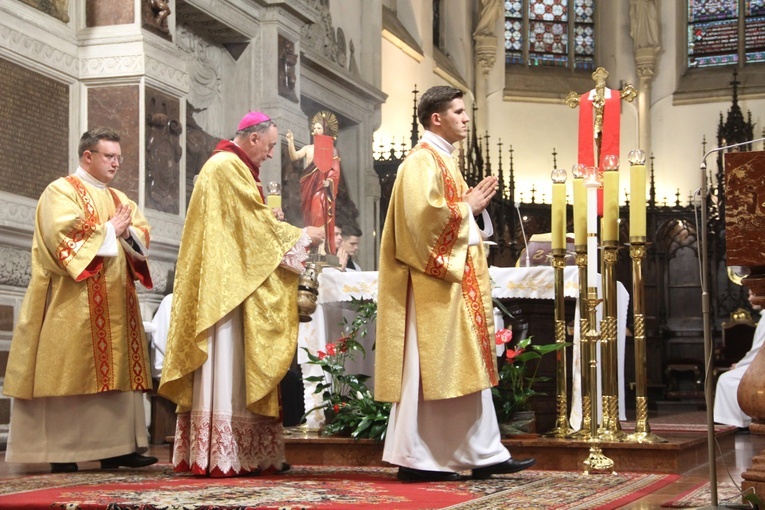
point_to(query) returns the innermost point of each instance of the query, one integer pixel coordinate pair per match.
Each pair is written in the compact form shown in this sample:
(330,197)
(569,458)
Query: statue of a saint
(321,177)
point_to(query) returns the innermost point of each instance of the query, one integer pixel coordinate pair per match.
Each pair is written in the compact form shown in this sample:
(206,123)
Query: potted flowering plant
(517,376)
(348,404)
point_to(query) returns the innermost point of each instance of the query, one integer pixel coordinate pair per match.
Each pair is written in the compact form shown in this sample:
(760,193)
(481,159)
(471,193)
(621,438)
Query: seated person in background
(727,410)
(350,246)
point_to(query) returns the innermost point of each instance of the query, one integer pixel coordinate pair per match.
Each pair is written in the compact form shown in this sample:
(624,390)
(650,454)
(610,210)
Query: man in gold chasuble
(234,318)
(79,360)
(435,356)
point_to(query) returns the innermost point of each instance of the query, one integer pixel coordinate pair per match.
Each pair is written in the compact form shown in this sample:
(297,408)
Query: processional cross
(599,107)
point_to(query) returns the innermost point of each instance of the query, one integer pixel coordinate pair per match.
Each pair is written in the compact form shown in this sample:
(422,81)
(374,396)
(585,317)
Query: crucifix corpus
(599,118)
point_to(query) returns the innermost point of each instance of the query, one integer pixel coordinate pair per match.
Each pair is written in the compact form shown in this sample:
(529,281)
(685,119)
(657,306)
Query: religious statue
(321,177)
(644,24)
(487,22)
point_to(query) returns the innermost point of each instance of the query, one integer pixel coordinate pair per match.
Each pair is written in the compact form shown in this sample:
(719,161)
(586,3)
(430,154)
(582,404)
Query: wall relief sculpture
(59,9)
(287,62)
(155,14)
(163,152)
(322,37)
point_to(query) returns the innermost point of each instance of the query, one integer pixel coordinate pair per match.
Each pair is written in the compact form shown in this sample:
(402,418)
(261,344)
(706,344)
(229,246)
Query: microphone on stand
(706,313)
(523,232)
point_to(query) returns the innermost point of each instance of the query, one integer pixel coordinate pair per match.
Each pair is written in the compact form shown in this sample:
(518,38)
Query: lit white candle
(592,184)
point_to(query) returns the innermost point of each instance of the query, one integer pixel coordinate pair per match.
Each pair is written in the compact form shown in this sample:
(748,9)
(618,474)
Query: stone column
(486,54)
(645,61)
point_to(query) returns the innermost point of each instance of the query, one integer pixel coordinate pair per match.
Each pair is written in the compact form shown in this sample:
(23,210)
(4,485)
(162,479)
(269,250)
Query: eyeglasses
(111,157)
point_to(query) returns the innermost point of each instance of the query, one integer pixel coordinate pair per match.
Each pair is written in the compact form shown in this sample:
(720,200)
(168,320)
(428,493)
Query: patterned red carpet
(699,496)
(320,487)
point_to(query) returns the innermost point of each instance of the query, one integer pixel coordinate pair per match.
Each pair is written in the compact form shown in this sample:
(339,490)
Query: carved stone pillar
(645,63)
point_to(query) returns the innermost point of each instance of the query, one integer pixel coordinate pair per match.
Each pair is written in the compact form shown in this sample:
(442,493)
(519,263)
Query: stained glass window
(546,41)
(714,27)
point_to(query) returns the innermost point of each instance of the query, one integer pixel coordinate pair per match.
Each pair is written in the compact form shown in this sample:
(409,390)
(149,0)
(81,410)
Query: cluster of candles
(587,180)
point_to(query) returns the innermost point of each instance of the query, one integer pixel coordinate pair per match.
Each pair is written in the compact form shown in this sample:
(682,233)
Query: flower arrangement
(516,385)
(348,404)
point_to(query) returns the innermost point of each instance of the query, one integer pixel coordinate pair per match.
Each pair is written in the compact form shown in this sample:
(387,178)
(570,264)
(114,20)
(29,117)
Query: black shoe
(419,475)
(63,467)
(509,466)
(131,460)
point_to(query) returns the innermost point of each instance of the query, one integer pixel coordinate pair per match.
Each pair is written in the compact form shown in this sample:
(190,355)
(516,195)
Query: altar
(334,310)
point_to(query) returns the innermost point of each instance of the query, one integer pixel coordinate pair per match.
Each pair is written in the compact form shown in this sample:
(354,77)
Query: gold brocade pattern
(452,316)
(229,256)
(58,347)
(82,230)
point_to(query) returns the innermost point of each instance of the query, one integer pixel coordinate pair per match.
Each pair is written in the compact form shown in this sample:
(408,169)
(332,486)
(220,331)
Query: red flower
(331,349)
(342,344)
(322,354)
(503,336)
(511,354)
(336,408)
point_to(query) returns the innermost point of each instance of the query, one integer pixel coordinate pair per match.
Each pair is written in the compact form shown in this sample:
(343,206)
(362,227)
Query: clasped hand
(478,198)
(120,220)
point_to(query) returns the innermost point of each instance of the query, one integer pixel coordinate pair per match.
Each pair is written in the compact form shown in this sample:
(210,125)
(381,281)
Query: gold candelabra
(561,428)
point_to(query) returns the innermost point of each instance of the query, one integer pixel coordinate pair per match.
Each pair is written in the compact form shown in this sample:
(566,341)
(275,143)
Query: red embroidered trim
(84,228)
(138,379)
(471,293)
(100,332)
(438,262)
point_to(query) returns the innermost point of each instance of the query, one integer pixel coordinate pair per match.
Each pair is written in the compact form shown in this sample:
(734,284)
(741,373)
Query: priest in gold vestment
(435,356)
(78,362)
(234,317)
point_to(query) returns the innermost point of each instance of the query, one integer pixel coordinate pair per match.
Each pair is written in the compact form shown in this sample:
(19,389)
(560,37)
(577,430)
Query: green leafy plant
(518,374)
(347,402)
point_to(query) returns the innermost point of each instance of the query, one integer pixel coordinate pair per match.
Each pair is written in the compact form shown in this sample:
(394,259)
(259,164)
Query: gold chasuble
(80,331)
(230,255)
(424,248)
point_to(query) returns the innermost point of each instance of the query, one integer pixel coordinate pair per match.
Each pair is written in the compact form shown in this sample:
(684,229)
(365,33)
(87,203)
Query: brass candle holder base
(598,463)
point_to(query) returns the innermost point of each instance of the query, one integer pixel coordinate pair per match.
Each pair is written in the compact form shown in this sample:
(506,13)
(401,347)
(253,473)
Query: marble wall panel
(116,107)
(101,13)
(34,130)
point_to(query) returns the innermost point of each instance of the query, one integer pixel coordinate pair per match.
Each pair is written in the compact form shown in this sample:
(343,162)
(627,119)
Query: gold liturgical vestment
(230,255)
(425,242)
(79,331)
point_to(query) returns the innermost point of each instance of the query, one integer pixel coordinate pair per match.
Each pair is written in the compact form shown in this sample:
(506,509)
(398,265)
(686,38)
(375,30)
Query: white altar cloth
(337,289)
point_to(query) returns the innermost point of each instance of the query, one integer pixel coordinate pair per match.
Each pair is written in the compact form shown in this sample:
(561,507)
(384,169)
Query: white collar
(438,142)
(88,179)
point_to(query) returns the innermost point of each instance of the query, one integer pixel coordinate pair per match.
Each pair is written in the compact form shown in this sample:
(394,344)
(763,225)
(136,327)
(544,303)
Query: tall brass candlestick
(642,432)
(580,247)
(596,461)
(610,428)
(558,250)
